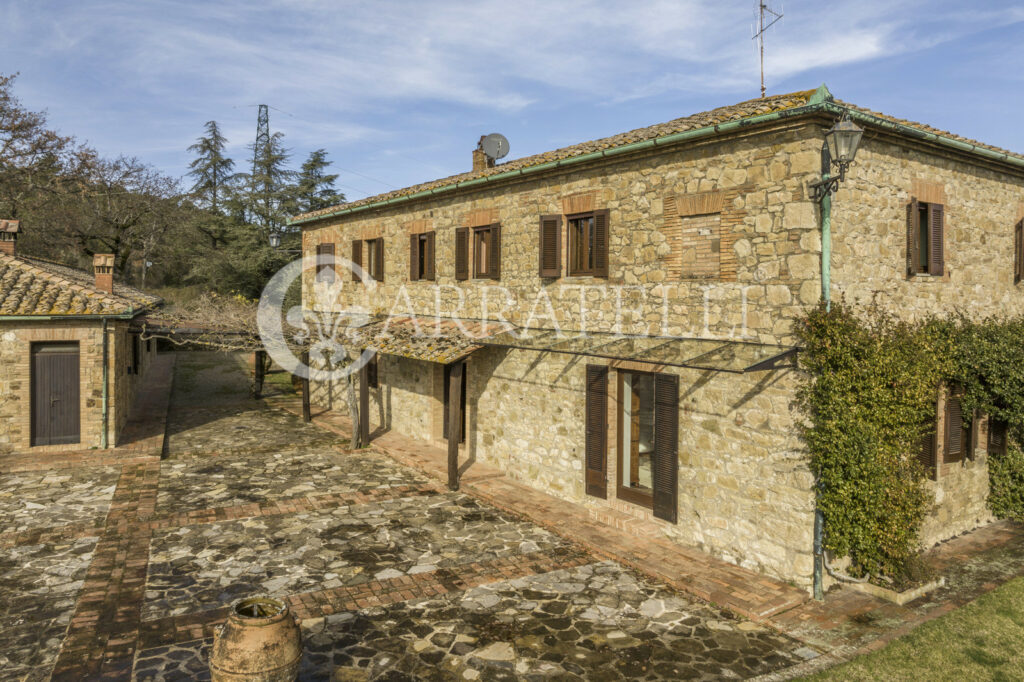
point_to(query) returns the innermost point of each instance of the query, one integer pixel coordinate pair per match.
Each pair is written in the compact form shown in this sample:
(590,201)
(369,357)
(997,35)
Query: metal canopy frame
(737,357)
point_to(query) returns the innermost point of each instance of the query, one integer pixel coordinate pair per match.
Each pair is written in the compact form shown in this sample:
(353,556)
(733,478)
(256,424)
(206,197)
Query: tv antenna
(764,12)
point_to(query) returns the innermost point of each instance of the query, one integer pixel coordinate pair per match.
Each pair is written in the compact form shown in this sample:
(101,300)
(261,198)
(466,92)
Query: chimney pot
(103,266)
(9,231)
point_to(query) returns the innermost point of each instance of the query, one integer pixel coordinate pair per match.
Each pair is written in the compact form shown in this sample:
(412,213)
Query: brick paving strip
(752,595)
(313,605)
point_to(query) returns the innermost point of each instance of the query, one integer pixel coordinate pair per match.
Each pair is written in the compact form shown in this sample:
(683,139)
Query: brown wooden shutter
(913,238)
(550,246)
(927,455)
(666,446)
(596,447)
(1018,252)
(936,228)
(462,253)
(971,438)
(414,257)
(429,259)
(378,244)
(494,256)
(601,243)
(996,437)
(954,450)
(357,257)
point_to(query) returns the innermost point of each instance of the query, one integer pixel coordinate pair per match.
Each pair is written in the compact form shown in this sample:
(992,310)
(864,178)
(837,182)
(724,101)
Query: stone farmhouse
(612,323)
(70,360)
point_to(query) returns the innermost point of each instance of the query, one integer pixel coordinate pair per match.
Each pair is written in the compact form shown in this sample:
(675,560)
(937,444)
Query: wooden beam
(258,370)
(454,422)
(364,405)
(306,415)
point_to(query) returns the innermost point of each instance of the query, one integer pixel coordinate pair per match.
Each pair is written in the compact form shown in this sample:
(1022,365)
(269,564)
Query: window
(478,252)
(374,262)
(375,258)
(550,243)
(925,238)
(958,444)
(648,441)
(927,453)
(996,437)
(1018,252)
(421,256)
(325,262)
(588,244)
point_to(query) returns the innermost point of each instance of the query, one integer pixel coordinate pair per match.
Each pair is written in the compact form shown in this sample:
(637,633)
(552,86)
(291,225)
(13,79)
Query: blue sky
(399,91)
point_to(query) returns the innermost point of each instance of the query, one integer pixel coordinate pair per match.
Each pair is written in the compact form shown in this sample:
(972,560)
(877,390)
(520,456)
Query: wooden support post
(454,422)
(306,416)
(258,372)
(364,405)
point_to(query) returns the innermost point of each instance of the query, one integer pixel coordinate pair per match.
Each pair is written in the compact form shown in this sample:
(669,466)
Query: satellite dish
(495,146)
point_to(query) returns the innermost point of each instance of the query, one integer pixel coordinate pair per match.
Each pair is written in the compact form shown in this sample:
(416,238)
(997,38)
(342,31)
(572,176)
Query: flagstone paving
(203,567)
(120,567)
(38,589)
(45,499)
(198,482)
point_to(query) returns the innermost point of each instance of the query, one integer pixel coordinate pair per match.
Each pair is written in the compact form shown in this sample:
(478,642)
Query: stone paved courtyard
(393,577)
(120,564)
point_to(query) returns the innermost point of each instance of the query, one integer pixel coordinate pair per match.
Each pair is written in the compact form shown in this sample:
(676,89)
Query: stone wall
(754,183)
(15,380)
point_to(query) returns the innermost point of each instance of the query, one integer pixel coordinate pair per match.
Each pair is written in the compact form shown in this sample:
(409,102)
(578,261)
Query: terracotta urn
(260,642)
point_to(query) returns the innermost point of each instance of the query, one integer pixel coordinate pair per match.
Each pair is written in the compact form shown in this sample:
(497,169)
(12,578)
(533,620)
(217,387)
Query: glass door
(636,438)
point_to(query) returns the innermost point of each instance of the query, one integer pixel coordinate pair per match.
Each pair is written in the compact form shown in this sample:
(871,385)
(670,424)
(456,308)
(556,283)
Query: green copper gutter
(58,318)
(820,102)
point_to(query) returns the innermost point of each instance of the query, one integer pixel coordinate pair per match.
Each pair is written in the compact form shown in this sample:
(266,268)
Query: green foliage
(989,364)
(873,382)
(872,386)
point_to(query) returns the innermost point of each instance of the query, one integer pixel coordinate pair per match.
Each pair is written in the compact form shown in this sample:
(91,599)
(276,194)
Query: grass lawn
(981,641)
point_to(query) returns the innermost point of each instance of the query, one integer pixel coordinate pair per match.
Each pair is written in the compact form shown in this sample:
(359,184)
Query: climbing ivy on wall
(871,386)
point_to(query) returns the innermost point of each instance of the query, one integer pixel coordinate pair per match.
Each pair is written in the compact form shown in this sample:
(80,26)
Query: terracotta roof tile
(717,116)
(31,286)
(720,115)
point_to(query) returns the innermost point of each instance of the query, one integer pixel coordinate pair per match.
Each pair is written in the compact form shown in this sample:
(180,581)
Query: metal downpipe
(104,440)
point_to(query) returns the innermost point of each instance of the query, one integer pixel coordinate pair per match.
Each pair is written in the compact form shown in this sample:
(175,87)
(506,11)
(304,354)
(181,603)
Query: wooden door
(55,396)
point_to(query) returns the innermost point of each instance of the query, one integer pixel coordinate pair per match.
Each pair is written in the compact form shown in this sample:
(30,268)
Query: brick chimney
(9,231)
(481,160)
(103,265)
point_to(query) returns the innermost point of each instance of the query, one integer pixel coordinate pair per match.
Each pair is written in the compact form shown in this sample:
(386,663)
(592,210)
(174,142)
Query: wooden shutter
(429,259)
(494,255)
(462,253)
(666,446)
(971,437)
(414,257)
(954,450)
(927,455)
(550,246)
(596,446)
(378,244)
(1018,252)
(357,258)
(936,228)
(996,437)
(913,238)
(601,243)
(325,270)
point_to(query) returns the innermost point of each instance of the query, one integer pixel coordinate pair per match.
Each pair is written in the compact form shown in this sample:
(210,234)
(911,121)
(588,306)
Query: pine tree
(315,188)
(270,186)
(211,169)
